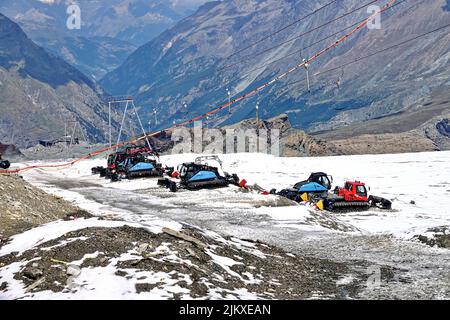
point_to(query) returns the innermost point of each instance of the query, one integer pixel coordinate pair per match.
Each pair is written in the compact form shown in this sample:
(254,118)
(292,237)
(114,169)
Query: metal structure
(129,101)
(340,79)
(184,111)
(76,126)
(306,66)
(257,126)
(229,100)
(156,117)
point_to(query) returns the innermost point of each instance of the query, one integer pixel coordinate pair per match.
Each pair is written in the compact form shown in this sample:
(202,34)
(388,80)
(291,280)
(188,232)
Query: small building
(9,150)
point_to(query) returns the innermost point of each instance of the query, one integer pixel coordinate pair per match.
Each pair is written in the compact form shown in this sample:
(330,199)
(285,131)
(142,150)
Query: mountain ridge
(180,66)
(16,46)
(110,30)
(40,93)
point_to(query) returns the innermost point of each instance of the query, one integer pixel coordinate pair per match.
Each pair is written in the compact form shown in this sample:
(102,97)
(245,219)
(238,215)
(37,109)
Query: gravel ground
(264,271)
(24,206)
(417,271)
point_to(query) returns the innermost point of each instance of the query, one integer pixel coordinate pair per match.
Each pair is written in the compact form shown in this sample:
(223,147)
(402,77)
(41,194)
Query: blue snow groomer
(199,175)
(317,183)
(131,162)
(141,165)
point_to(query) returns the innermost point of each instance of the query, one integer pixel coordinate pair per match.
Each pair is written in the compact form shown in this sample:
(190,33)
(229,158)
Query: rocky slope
(24,206)
(169,265)
(421,127)
(94,56)
(39,93)
(293,142)
(368,138)
(185,63)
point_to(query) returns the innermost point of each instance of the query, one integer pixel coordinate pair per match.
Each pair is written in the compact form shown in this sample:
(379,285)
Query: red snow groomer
(131,161)
(353,196)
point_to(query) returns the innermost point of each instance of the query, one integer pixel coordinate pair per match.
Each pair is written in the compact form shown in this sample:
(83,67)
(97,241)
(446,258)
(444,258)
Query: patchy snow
(421,177)
(86,257)
(63,243)
(99,283)
(418,184)
(54,230)
(106,282)
(345,280)
(50,231)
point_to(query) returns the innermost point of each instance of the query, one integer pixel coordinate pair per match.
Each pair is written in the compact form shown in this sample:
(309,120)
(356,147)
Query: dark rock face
(33,273)
(444,127)
(186,63)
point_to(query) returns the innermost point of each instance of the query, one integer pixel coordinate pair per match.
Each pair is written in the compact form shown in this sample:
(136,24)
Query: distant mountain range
(40,94)
(110,30)
(187,64)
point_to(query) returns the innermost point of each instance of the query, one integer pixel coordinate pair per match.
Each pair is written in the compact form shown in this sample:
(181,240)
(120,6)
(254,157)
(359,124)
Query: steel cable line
(251,56)
(218,109)
(200,77)
(270,62)
(281,30)
(371,54)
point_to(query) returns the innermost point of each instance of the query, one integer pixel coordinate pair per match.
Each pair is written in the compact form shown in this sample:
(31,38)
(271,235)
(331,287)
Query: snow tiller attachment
(199,175)
(318,183)
(131,162)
